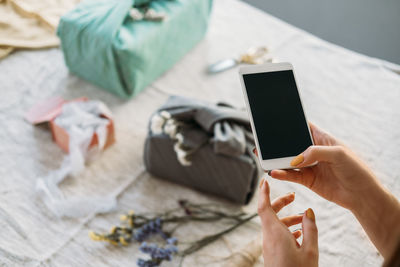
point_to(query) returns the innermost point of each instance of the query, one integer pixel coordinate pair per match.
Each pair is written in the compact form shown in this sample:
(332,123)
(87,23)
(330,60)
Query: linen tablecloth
(354,97)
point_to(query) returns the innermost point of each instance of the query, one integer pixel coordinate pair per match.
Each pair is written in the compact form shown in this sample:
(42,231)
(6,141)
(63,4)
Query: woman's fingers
(296,234)
(273,228)
(282,201)
(303,176)
(321,137)
(288,175)
(317,154)
(264,202)
(310,233)
(265,211)
(292,220)
(255,151)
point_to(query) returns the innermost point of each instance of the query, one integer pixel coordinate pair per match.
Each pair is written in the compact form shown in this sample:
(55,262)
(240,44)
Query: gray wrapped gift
(204,146)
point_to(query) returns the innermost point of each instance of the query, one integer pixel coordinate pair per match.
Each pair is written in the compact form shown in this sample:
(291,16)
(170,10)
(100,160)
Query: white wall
(371,27)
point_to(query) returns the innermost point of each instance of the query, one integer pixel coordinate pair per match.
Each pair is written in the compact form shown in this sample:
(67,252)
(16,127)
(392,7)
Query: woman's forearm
(378,211)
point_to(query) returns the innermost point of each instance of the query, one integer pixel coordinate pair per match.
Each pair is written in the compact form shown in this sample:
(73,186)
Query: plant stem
(197,245)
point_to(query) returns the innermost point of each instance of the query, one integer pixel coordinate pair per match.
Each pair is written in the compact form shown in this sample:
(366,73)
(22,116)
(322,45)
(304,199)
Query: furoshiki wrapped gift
(124,45)
(204,146)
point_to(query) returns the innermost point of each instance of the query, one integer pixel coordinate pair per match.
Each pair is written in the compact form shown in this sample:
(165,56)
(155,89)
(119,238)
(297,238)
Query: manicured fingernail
(297,160)
(291,194)
(269,173)
(310,214)
(261,182)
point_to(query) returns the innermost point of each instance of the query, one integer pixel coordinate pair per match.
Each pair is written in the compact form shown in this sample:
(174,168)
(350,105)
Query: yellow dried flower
(123,217)
(131,212)
(123,241)
(113,229)
(95,237)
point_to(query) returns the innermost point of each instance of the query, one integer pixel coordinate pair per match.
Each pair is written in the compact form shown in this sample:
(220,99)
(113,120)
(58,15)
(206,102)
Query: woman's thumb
(310,234)
(317,154)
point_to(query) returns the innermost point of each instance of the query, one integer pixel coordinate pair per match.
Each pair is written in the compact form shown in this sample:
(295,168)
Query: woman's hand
(339,176)
(280,247)
(342,178)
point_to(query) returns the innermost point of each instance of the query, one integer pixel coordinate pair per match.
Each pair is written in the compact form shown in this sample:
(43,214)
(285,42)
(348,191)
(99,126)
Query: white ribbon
(81,120)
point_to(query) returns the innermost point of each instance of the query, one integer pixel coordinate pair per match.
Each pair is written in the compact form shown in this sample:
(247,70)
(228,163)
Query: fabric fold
(30,24)
(224,126)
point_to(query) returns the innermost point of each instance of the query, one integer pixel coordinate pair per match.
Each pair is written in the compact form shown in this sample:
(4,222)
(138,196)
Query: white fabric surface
(354,97)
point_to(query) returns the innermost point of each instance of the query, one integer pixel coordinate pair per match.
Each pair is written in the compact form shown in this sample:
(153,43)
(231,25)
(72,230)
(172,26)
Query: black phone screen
(277,114)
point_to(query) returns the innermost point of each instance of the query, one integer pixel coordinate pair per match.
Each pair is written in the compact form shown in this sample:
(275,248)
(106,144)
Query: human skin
(341,177)
(280,247)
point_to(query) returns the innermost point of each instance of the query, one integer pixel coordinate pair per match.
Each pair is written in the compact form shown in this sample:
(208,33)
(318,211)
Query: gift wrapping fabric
(204,146)
(30,24)
(104,45)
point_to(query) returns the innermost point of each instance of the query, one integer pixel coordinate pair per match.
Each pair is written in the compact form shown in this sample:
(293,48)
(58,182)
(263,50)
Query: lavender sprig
(150,228)
(142,227)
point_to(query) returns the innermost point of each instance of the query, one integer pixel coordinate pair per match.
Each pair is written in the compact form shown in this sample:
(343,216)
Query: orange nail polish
(291,194)
(310,214)
(297,160)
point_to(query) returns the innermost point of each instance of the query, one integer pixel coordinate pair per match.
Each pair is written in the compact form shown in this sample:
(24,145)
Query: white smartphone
(278,121)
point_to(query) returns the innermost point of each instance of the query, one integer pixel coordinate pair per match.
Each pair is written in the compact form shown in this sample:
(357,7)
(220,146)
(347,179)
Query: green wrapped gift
(105,43)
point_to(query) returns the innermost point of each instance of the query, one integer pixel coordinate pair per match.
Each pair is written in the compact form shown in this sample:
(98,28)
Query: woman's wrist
(378,211)
(369,200)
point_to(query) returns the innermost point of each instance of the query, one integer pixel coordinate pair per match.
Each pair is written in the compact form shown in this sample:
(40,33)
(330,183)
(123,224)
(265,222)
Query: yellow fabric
(30,24)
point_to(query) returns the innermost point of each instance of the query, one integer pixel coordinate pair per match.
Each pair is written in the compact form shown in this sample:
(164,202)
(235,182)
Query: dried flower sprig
(157,254)
(140,227)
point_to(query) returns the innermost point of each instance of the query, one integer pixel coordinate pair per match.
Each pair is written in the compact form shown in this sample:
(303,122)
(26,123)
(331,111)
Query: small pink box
(47,111)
